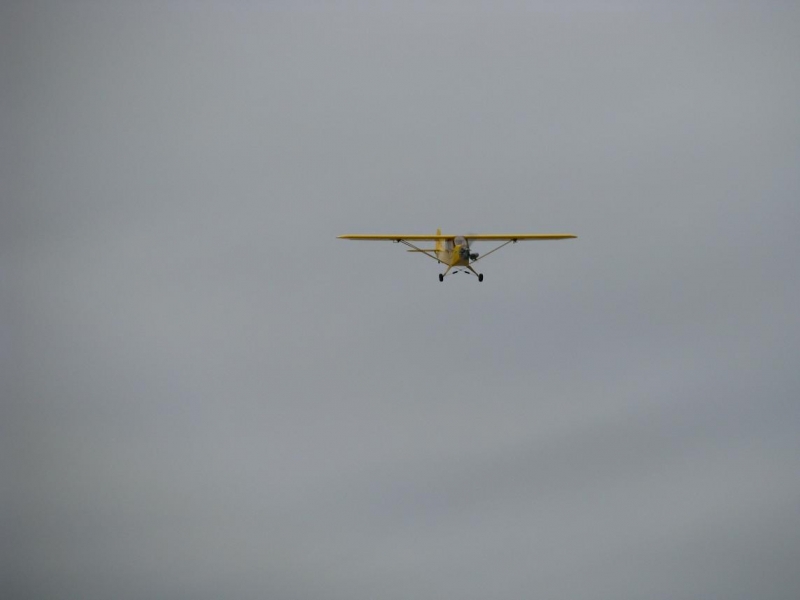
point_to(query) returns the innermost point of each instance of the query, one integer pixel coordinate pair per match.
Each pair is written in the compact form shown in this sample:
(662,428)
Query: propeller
(464,250)
(473,256)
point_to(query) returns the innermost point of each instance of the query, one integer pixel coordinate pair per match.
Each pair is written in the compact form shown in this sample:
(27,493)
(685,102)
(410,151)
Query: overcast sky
(206,395)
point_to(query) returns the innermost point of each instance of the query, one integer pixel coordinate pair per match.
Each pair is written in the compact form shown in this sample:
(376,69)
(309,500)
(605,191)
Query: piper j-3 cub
(455,251)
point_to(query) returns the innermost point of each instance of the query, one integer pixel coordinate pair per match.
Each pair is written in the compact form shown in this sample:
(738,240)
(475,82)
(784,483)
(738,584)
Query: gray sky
(206,395)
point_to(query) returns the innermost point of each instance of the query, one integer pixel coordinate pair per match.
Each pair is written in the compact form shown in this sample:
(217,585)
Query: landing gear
(474,272)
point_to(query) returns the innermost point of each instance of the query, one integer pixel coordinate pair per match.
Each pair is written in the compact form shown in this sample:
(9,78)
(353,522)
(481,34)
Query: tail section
(439,243)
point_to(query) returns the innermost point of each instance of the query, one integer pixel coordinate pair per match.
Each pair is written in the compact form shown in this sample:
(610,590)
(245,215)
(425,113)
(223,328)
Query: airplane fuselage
(453,257)
(454,252)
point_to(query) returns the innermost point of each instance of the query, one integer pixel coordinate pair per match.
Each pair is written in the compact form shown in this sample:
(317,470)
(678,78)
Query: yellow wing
(489,237)
(396,237)
(502,237)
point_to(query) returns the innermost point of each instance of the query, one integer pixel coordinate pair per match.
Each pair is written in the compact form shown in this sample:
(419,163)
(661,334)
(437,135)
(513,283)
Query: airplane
(455,250)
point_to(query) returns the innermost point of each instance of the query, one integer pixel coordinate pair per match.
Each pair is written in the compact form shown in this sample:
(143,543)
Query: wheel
(441,277)
(480,276)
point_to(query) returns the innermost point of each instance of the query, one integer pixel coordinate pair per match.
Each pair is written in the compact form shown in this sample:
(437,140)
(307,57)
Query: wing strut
(410,245)
(482,256)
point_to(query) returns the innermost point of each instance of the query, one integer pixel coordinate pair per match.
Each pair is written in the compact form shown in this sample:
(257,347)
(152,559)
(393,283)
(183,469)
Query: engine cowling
(465,252)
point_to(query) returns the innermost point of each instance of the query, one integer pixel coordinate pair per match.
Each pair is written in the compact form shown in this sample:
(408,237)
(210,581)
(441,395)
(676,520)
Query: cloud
(209,394)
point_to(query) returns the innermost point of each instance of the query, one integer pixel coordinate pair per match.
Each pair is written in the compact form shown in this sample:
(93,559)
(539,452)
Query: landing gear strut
(480,275)
(474,272)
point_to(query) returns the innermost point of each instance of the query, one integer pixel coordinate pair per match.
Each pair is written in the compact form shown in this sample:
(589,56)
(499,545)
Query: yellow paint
(439,243)
(449,253)
(488,237)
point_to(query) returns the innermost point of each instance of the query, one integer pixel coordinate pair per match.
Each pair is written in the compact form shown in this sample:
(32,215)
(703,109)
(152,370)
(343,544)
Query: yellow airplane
(454,250)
